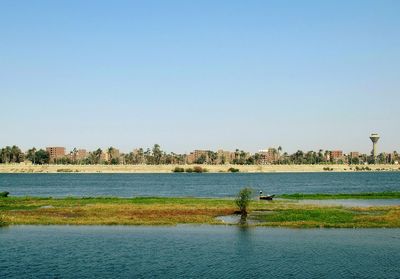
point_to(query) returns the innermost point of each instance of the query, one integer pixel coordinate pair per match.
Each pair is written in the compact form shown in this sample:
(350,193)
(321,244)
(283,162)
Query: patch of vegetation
(115,211)
(178,169)
(362,168)
(172,211)
(2,222)
(233,170)
(65,170)
(327,169)
(189,170)
(326,216)
(307,216)
(379,195)
(198,169)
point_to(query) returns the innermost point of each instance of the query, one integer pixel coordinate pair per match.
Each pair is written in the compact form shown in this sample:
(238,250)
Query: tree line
(156,156)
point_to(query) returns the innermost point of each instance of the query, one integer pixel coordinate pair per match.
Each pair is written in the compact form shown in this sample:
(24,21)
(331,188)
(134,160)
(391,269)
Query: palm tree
(97,155)
(32,155)
(279,153)
(110,152)
(74,154)
(157,154)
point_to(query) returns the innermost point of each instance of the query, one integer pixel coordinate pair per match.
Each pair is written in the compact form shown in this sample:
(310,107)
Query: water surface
(196,185)
(197,252)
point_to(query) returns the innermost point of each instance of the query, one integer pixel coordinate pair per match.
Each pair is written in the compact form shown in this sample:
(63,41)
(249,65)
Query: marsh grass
(311,216)
(113,211)
(173,211)
(2,221)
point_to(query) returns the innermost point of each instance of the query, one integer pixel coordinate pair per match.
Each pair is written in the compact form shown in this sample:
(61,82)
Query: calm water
(198,185)
(197,252)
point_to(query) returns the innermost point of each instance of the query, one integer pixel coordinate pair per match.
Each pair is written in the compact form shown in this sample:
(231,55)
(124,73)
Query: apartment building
(55,153)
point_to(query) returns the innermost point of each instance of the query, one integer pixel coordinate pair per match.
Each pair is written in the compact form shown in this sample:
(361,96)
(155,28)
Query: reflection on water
(235,219)
(197,252)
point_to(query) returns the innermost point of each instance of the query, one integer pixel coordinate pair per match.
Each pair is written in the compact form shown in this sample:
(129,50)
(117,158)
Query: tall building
(268,156)
(354,154)
(194,156)
(225,157)
(336,155)
(55,153)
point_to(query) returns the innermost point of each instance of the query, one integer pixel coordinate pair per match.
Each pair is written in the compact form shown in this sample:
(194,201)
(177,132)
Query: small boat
(4,194)
(267,197)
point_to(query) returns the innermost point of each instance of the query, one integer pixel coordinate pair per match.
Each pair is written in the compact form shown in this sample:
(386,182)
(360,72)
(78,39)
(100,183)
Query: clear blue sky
(200,74)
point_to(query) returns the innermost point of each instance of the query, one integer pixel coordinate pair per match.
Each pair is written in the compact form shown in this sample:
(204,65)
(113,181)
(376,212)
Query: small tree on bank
(243,200)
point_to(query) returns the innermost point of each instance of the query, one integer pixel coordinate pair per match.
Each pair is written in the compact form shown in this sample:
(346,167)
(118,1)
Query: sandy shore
(24,168)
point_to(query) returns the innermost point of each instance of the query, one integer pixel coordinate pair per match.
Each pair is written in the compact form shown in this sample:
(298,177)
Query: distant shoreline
(25,168)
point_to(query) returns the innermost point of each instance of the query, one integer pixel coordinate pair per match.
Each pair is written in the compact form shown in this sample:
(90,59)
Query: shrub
(233,170)
(178,169)
(198,169)
(328,169)
(4,194)
(189,170)
(243,200)
(64,170)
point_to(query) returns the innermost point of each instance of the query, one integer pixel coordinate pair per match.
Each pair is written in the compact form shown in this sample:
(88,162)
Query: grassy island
(173,211)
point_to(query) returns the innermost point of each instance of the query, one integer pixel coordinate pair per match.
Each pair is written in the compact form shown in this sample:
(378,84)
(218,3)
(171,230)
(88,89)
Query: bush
(178,169)
(4,194)
(198,169)
(233,170)
(327,169)
(243,200)
(189,170)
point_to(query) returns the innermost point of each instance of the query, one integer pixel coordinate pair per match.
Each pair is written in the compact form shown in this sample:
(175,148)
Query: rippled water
(197,252)
(198,185)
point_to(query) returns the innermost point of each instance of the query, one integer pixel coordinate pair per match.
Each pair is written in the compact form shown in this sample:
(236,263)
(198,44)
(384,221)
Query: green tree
(279,154)
(243,200)
(31,155)
(74,154)
(16,154)
(42,157)
(95,157)
(201,160)
(157,154)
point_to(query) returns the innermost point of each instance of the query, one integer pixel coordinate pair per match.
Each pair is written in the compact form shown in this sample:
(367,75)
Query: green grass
(330,217)
(326,217)
(380,195)
(172,211)
(2,222)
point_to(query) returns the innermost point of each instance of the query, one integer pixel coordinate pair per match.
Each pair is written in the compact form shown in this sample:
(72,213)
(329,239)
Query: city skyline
(374,137)
(207,75)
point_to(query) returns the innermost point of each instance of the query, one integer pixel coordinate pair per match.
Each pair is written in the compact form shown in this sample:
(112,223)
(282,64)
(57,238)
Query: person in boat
(266,197)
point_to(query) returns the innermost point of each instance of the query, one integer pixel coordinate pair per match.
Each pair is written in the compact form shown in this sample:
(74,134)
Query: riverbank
(26,168)
(173,211)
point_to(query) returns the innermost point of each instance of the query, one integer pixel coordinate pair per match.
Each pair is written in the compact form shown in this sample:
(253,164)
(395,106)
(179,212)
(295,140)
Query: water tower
(374,138)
